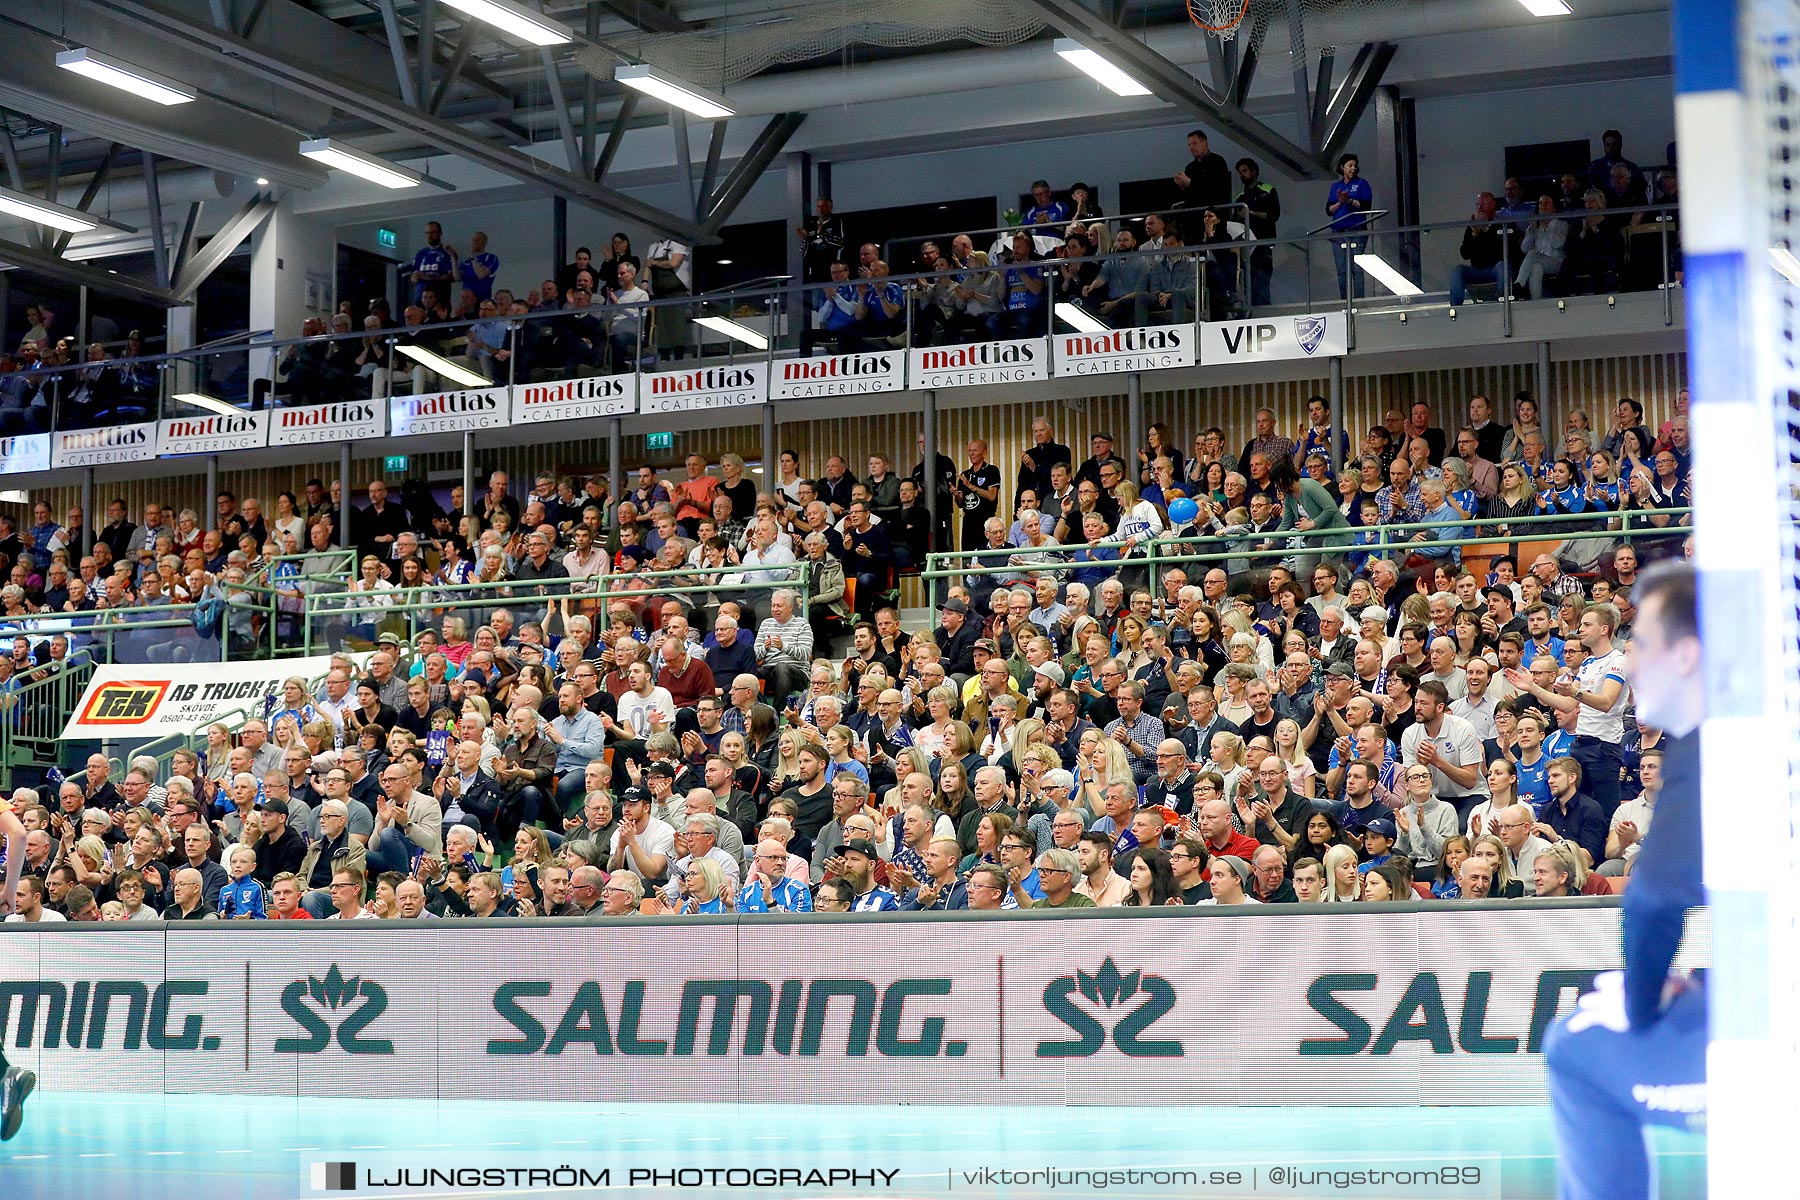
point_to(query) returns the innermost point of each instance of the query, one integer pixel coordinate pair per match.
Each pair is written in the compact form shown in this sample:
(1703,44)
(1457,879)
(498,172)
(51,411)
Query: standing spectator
(1206,181)
(477,271)
(1045,210)
(1349,197)
(671,278)
(1262,206)
(433,266)
(822,242)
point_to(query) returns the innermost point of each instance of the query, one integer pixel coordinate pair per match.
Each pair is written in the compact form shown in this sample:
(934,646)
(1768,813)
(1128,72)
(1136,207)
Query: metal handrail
(774,295)
(944,565)
(1057,228)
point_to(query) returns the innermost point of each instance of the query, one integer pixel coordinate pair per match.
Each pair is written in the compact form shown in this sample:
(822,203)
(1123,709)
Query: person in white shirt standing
(1597,697)
(1448,745)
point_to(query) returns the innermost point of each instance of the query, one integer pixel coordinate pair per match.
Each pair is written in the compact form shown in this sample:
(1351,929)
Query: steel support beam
(749,168)
(684,154)
(248,25)
(1176,86)
(185,246)
(159,242)
(36,258)
(372,104)
(209,257)
(95,182)
(396,41)
(646,15)
(427,21)
(709,175)
(465,41)
(53,136)
(559,104)
(9,151)
(1352,96)
(616,135)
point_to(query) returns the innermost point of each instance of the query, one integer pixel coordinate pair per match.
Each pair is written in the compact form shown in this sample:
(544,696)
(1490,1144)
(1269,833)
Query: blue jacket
(1665,882)
(242,897)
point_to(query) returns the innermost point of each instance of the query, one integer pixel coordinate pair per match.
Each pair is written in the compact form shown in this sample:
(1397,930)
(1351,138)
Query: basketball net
(1220,17)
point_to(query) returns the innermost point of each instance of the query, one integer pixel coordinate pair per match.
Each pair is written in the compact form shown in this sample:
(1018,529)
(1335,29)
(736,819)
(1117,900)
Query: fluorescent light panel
(56,216)
(1379,269)
(733,329)
(443,366)
(105,69)
(1099,68)
(517,20)
(1786,263)
(673,90)
(358,162)
(209,403)
(1546,8)
(1079,317)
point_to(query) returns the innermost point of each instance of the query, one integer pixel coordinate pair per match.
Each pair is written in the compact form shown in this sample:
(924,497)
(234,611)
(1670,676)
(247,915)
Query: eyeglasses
(614,892)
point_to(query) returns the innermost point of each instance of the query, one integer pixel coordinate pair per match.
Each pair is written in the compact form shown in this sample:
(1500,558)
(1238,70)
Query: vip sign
(979,363)
(704,387)
(26,452)
(574,399)
(317,424)
(448,412)
(1319,335)
(94,447)
(839,375)
(212,434)
(1153,349)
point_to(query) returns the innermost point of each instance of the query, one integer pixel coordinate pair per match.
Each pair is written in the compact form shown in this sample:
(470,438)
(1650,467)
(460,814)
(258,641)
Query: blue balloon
(1182,510)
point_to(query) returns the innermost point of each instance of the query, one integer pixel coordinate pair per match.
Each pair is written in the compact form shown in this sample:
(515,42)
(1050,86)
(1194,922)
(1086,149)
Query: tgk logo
(1105,990)
(356,1001)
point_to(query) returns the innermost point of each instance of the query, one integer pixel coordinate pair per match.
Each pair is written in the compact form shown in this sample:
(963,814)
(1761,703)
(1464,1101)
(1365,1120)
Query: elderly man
(701,840)
(408,822)
(784,647)
(190,902)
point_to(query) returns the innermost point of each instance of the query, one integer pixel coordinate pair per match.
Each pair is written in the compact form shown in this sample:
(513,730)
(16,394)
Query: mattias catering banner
(139,702)
(1442,1004)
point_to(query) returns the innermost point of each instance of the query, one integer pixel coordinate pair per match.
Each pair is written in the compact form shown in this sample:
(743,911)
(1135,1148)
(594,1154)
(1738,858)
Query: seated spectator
(1485,251)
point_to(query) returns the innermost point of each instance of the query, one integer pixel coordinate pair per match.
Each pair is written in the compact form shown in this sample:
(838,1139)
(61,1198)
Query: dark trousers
(1600,764)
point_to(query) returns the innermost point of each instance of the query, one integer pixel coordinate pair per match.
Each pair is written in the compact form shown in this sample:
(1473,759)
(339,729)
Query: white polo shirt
(1609,724)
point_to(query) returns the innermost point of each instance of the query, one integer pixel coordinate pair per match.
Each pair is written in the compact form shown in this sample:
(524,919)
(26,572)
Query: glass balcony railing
(980,320)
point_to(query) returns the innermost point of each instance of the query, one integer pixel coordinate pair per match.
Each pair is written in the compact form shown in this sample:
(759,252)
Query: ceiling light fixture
(56,216)
(1096,66)
(1546,8)
(516,19)
(102,68)
(674,90)
(461,375)
(733,329)
(209,403)
(360,163)
(1380,270)
(1079,317)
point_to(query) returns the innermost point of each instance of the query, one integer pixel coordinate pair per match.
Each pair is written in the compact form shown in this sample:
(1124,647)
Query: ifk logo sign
(314,1004)
(1128,1003)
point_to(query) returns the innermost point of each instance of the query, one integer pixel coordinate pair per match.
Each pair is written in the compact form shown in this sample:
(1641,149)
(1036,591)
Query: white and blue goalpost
(1737,75)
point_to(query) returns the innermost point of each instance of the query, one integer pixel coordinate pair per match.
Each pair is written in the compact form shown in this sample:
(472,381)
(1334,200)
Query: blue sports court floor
(101,1146)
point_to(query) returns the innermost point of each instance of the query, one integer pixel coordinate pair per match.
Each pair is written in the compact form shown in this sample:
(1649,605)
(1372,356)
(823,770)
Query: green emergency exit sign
(394,462)
(386,238)
(659,441)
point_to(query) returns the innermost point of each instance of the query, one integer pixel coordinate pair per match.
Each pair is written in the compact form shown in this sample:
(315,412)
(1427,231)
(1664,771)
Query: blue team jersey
(434,260)
(482,287)
(786,895)
(877,899)
(1534,780)
(242,898)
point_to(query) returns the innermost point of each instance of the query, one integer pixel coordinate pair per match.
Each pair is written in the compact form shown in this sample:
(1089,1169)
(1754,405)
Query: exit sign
(659,441)
(394,462)
(387,239)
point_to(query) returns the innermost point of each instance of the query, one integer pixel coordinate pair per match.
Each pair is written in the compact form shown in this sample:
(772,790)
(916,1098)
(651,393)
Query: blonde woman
(940,703)
(787,760)
(1491,849)
(1343,884)
(1103,763)
(1130,649)
(90,863)
(703,888)
(1303,777)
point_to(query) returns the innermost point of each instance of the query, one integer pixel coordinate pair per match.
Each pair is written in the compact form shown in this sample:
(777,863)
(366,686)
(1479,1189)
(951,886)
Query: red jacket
(1238,845)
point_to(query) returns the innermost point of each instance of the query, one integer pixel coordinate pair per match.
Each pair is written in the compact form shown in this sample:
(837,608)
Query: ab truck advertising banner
(136,703)
(1448,1003)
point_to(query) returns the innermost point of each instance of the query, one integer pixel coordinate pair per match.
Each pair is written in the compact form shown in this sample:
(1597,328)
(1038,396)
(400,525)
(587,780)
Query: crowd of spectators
(1548,237)
(1313,716)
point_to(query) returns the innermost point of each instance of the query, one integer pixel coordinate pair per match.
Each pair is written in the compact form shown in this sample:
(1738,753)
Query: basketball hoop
(1221,17)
